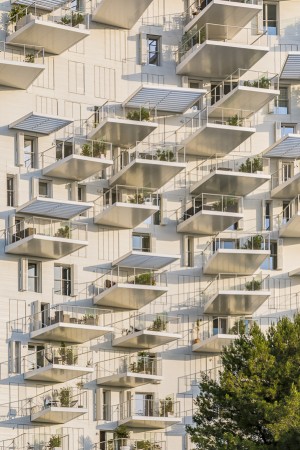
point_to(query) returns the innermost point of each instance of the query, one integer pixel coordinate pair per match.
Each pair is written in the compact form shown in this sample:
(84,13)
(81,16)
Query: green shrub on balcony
(165,155)
(159,324)
(145,278)
(254,285)
(235,121)
(252,165)
(73,20)
(54,441)
(63,232)
(138,199)
(263,83)
(254,243)
(139,115)
(65,395)
(94,150)
(16,13)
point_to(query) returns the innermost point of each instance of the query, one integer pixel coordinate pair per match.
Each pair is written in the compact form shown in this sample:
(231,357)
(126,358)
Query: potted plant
(136,198)
(63,232)
(121,433)
(145,278)
(64,396)
(251,165)
(197,331)
(90,319)
(159,324)
(230,204)
(235,121)
(165,155)
(54,442)
(29,58)
(96,150)
(254,243)
(254,285)
(140,115)
(166,407)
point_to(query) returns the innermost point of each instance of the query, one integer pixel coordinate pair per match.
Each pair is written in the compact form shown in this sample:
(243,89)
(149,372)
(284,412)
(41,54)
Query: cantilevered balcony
(243,87)
(129,11)
(233,175)
(46,238)
(56,32)
(59,406)
(146,331)
(52,208)
(29,440)
(215,51)
(76,159)
(203,135)
(229,295)
(125,206)
(240,255)
(221,12)
(130,371)
(288,221)
(128,289)
(112,123)
(141,412)
(132,443)
(72,324)
(285,183)
(216,333)
(209,214)
(57,364)
(148,166)
(20,65)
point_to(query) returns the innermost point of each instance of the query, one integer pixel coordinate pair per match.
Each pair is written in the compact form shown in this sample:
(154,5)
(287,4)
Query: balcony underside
(159,423)
(216,59)
(55,38)
(123,133)
(287,189)
(125,215)
(56,209)
(19,75)
(243,262)
(228,182)
(214,344)
(57,373)
(213,138)
(145,339)
(236,302)
(209,222)
(45,246)
(76,167)
(144,260)
(128,296)
(291,229)
(128,12)
(241,98)
(57,415)
(128,380)
(70,332)
(225,13)
(147,173)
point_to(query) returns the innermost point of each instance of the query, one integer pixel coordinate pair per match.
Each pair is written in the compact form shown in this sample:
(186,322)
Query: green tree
(255,404)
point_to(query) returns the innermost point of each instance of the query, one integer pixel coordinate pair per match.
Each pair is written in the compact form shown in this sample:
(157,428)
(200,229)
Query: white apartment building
(149,208)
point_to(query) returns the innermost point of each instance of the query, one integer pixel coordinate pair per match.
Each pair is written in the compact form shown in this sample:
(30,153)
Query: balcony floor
(291,229)
(76,167)
(55,38)
(129,380)
(19,75)
(122,132)
(217,59)
(159,423)
(145,339)
(208,222)
(243,262)
(229,182)
(57,373)
(57,414)
(125,215)
(147,173)
(129,11)
(128,296)
(236,302)
(287,189)
(214,344)
(45,246)
(70,332)
(213,138)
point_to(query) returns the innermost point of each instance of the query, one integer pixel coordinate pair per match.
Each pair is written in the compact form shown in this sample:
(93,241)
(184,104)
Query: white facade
(133,250)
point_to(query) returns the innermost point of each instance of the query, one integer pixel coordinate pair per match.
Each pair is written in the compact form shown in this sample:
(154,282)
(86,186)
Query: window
(287,129)
(270,19)
(44,188)
(196,85)
(81,193)
(157,216)
(33,276)
(144,404)
(218,90)
(282,101)
(267,216)
(153,44)
(141,242)
(10,190)
(287,171)
(106,405)
(62,280)
(14,357)
(190,251)
(286,211)
(29,156)
(271,262)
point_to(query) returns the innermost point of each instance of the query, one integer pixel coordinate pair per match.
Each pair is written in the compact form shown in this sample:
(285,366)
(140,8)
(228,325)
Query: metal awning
(144,260)
(291,68)
(286,147)
(164,98)
(56,209)
(46,5)
(40,123)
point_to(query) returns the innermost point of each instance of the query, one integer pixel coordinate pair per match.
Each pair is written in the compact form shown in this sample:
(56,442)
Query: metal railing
(210,202)
(141,407)
(65,397)
(126,194)
(284,174)
(46,227)
(133,277)
(131,444)
(76,146)
(21,53)
(216,32)
(143,363)
(199,5)
(34,441)
(287,213)
(65,355)
(161,323)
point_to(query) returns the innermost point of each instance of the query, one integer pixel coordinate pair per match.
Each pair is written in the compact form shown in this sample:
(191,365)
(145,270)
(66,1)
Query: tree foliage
(255,404)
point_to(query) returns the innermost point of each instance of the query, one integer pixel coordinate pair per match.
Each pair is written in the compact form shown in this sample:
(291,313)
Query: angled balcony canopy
(291,67)
(57,209)
(40,123)
(164,98)
(286,147)
(46,5)
(144,260)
